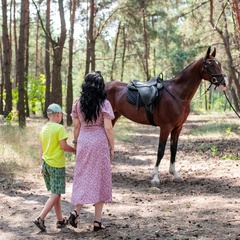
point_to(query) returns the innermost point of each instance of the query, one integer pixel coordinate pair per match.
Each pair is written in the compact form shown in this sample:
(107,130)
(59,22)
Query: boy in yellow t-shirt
(53,143)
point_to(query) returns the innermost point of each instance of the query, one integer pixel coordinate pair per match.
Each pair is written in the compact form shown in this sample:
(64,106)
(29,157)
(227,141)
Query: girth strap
(150,116)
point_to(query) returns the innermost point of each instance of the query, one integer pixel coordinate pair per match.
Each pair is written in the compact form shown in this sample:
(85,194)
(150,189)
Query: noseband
(213,76)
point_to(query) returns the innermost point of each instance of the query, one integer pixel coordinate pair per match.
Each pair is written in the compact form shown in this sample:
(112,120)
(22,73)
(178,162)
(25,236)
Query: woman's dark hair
(92,96)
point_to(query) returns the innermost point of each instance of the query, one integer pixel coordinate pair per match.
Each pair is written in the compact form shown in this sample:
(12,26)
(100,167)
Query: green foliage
(36,93)
(230,156)
(11,117)
(178,32)
(229,131)
(214,127)
(15,97)
(214,150)
(180,59)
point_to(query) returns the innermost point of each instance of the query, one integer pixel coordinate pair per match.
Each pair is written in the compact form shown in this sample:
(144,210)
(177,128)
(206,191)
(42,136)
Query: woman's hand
(111,154)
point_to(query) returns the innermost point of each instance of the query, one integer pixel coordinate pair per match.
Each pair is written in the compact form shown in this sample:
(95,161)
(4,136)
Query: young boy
(53,143)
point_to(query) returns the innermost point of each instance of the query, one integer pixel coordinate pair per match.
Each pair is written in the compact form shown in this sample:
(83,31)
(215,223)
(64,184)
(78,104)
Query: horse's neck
(188,81)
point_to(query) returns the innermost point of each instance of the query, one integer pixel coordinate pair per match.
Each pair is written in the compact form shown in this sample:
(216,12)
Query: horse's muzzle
(224,83)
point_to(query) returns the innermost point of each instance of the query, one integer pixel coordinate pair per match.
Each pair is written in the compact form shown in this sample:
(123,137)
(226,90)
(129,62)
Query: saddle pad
(133,97)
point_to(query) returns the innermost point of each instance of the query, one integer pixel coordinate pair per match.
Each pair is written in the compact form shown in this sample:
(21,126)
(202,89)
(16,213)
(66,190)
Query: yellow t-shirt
(50,137)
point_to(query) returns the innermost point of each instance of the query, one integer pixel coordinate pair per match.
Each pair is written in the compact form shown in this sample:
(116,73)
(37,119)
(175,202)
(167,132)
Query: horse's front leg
(117,116)
(161,148)
(173,148)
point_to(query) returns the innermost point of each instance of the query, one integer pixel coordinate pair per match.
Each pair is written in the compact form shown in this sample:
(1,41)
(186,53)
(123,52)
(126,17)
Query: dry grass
(19,147)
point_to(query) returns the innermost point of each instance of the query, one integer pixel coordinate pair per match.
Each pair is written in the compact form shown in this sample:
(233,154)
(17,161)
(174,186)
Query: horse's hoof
(177,179)
(155,183)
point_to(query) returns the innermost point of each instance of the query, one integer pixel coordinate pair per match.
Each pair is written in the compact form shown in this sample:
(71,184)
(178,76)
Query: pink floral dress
(92,181)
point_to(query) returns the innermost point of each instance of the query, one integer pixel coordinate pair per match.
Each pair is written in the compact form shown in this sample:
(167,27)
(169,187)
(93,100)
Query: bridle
(213,76)
(213,79)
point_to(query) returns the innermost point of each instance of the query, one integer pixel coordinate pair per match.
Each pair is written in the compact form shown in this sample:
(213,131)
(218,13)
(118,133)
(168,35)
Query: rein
(231,104)
(190,99)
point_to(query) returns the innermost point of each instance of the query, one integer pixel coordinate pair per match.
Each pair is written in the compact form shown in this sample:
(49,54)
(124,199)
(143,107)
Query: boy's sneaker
(40,224)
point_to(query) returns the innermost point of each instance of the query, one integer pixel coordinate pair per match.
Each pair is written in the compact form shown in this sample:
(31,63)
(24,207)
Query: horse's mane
(185,69)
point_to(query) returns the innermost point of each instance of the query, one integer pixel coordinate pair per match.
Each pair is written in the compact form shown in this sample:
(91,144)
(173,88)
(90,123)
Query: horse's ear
(214,52)
(208,52)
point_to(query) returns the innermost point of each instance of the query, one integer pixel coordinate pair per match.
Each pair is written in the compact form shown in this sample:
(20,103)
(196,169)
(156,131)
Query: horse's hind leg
(173,148)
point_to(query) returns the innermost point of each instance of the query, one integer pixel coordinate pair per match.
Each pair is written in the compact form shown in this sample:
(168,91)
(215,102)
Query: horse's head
(212,70)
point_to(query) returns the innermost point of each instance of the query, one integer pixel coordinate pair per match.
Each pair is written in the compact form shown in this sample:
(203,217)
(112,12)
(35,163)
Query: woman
(93,135)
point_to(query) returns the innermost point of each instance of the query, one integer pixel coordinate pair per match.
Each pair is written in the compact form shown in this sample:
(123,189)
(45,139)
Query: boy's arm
(66,147)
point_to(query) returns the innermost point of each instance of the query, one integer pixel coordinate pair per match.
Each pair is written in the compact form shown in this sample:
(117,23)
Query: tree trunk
(1,81)
(57,47)
(92,35)
(115,51)
(145,37)
(36,49)
(154,52)
(90,51)
(236,11)
(69,82)
(235,98)
(26,62)
(205,97)
(7,60)
(36,63)
(226,41)
(15,43)
(21,66)
(124,53)
(87,67)
(47,60)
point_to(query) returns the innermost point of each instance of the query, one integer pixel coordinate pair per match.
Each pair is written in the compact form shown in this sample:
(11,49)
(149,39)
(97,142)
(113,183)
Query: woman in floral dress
(94,139)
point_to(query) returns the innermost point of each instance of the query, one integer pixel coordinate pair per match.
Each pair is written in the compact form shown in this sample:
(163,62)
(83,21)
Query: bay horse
(173,107)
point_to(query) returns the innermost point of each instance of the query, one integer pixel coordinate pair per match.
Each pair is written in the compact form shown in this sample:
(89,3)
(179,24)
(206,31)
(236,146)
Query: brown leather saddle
(145,94)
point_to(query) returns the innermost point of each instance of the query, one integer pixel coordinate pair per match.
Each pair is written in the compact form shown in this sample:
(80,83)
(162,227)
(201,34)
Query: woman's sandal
(40,224)
(72,219)
(62,224)
(98,228)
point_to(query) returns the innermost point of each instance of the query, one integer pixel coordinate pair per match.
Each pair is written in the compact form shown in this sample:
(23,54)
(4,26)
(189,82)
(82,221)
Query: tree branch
(48,34)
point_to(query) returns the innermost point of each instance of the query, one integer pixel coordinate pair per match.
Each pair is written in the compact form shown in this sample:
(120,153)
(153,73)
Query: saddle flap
(148,94)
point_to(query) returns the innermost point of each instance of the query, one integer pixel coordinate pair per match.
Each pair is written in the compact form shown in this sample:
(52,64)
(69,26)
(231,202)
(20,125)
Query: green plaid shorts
(55,178)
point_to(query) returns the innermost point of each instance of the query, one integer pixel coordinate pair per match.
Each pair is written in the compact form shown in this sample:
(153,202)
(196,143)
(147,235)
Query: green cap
(54,108)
